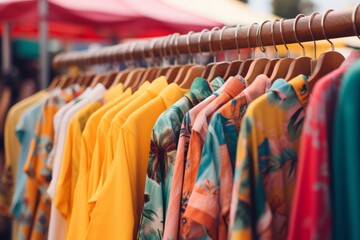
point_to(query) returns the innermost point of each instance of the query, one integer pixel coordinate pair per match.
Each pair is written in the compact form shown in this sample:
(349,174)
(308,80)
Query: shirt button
(184,220)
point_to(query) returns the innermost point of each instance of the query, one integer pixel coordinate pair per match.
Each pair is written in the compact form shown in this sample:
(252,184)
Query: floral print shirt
(311,210)
(266,159)
(209,204)
(234,86)
(35,210)
(164,139)
(172,223)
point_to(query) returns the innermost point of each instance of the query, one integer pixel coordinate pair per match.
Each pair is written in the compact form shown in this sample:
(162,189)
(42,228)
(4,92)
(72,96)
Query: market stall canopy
(228,12)
(101,19)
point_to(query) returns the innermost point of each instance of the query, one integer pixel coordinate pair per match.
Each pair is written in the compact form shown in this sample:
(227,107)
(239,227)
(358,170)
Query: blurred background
(34,31)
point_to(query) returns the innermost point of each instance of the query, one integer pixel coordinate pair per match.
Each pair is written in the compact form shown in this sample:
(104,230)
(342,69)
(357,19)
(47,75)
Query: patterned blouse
(35,210)
(209,204)
(172,223)
(164,139)
(266,160)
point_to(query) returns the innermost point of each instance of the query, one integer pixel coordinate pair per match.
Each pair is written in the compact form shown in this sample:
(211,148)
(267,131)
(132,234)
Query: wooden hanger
(245,66)
(271,65)
(258,66)
(99,78)
(234,67)
(328,61)
(218,69)
(300,65)
(109,79)
(187,73)
(194,72)
(121,77)
(54,83)
(281,67)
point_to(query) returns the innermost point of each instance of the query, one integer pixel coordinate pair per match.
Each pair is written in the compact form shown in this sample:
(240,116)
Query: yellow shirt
(113,93)
(11,142)
(70,160)
(120,202)
(79,218)
(120,117)
(100,146)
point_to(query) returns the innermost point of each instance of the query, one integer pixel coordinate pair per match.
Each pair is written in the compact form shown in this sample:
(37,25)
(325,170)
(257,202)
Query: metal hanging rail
(336,24)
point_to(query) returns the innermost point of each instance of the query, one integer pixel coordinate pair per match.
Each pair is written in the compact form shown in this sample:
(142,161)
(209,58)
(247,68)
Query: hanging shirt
(38,209)
(123,189)
(311,211)
(70,160)
(57,220)
(266,161)
(211,209)
(345,165)
(144,97)
(113,92)
(164,139)
(172,223)
(79,219)
(57,227)
(233,87)
(12,145)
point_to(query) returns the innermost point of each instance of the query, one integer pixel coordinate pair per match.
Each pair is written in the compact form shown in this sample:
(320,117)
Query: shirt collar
(260,86)
(235,85)
(289,92)
(199,90)
(157,86)
(171,94)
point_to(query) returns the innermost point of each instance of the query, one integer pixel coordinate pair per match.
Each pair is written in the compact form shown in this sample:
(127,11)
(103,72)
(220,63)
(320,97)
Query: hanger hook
(191,60)
(143,53)
(221,43)
(199,43)
(210,42)
(164,46)
(236,40)
(248,40)
(282,37)
(272,37)
(171,40)
(261,45)
(295,32)
(324,30)
(132,54)
(175,43)
(353,18)
(311,32)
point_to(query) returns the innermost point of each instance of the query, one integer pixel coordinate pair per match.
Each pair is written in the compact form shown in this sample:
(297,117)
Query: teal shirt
(25,131)
(345,164)
(164,139)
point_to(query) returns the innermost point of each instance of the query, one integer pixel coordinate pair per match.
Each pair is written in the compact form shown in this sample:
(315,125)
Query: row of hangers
(184,75)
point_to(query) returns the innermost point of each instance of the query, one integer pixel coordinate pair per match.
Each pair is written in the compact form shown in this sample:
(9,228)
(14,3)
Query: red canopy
(89,19)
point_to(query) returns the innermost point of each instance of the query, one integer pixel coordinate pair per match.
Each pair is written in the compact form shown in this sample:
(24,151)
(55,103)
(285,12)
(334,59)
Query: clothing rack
(335,24)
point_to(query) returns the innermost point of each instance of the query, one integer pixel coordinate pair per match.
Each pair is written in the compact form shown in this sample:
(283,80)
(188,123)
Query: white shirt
(57,226)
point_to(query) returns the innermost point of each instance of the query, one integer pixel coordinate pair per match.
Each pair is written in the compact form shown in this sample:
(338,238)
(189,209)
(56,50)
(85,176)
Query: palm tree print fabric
(163,146)
(266,159)
(209,204)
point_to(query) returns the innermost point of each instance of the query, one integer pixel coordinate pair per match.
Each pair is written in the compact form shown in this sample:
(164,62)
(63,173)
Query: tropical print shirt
(311,210)
(266,160)
(36,205)
(188,228)
(209,204)
(172,223)
(164,139)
